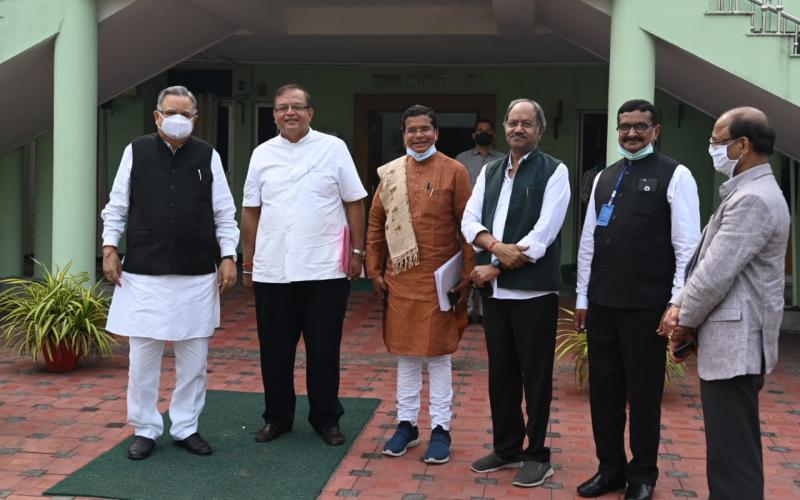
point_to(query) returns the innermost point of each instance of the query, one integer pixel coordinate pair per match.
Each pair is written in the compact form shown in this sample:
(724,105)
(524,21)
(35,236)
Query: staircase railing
(767,18)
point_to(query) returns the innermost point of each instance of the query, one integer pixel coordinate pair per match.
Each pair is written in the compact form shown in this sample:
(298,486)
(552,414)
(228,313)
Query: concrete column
(43,202)
(75,138)
(12,168)
(631,68)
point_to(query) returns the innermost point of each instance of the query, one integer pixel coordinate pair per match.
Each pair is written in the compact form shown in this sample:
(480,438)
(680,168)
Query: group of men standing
(641,277)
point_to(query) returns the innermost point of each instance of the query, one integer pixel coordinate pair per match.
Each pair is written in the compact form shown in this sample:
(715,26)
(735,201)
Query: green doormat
(297,465)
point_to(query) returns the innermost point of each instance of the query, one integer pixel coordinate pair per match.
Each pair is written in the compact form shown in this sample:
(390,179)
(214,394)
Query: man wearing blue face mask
(641,227)
(413,230)
(171,193)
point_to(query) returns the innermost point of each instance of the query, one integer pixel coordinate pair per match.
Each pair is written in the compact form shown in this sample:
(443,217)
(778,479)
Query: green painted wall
(25,23)
(723,41)
(12,168)
(43,201)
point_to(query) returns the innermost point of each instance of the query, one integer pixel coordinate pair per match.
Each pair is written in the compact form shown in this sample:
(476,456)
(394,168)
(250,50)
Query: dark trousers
(520,341)
(283,311)
(626,361)
(734,467)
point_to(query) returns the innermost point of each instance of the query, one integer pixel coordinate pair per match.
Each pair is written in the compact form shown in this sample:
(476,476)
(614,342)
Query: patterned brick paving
(51,425)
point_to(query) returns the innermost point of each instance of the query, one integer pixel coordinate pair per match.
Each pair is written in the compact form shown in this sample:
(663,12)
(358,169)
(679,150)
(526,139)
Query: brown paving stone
(366,365)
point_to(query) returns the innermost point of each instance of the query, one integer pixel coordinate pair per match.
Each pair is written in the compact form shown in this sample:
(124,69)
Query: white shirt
(544,232)
(168,307)
(300,188)
(115,214)
(684,205)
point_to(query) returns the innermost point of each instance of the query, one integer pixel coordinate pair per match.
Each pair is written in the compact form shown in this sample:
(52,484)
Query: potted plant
(575,345)
(60,317)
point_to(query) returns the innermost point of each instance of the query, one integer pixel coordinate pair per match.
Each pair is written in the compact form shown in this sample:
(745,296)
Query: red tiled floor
(51,425)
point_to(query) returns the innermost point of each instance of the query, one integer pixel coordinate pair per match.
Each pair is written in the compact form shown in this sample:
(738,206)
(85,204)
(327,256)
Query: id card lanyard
(607,209)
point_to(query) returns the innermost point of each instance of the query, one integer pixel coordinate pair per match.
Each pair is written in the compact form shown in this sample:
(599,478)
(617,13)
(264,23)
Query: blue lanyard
(619,181)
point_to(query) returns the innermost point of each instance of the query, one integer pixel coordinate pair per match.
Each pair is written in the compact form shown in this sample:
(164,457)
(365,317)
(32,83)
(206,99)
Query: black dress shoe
(140,448)
(600,484)
(332,435)
(270,431)
(195,444)
(639,491)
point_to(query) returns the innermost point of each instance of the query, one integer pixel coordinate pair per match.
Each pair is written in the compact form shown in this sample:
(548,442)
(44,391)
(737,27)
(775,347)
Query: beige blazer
(734,292)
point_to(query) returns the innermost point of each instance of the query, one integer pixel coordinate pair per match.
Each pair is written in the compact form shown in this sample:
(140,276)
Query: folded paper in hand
(344,263)
(447,276)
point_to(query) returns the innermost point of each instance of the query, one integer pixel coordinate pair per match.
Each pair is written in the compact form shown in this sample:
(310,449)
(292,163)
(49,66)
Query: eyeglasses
(516,123)
(722,141)
(284,108)
(638,127)
(172,112)
(421,130)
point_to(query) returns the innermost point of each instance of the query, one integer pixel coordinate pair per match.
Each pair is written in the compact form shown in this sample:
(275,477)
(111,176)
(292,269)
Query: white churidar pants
(440,389)
(188,397)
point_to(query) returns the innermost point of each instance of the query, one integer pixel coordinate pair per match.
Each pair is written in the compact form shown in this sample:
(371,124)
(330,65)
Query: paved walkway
(51,425)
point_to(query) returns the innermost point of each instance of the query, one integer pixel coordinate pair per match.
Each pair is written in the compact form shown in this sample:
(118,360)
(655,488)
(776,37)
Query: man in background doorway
(474,159)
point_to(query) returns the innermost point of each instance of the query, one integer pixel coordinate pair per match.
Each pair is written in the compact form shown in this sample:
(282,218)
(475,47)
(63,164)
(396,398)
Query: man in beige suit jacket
(733,300)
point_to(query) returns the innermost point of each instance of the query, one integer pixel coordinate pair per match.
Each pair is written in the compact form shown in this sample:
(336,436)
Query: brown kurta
(438,190)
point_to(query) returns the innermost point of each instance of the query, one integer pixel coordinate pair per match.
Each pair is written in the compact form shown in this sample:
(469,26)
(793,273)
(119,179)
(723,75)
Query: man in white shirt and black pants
(642,224)
(513,219)
(171,192)
(301,194)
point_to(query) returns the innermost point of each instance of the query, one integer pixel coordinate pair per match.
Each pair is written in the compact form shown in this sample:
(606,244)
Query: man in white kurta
(171,193)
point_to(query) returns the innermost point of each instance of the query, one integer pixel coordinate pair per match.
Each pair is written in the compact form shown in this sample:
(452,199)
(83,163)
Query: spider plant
(38,316)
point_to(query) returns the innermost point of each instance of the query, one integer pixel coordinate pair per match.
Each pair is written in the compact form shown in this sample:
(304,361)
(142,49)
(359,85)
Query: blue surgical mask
(422,156)
(637,155)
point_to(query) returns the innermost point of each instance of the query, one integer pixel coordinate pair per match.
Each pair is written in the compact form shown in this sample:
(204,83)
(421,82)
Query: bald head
(749,123)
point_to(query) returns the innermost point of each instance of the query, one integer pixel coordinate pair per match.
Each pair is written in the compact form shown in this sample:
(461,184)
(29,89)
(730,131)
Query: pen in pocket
(199,174)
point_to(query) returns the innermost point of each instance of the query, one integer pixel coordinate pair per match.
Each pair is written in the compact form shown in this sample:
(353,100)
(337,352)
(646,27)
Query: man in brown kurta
(414,228)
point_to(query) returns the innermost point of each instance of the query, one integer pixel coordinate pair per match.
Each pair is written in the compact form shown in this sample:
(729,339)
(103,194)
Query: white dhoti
(154,309)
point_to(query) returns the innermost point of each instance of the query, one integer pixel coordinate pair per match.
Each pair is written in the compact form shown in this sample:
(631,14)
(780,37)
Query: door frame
(484,104)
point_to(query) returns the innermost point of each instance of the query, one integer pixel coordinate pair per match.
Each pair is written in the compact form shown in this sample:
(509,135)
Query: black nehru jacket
(171,226)
(634,262)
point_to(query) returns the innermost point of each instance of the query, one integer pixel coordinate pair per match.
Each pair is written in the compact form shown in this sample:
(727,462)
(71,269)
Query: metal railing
(767,17)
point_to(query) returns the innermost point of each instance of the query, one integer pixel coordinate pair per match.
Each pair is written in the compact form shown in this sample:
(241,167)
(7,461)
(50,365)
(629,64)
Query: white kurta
(169,307)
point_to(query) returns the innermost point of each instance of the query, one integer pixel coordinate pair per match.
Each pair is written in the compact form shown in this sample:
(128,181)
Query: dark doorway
(380,116)
(593,130)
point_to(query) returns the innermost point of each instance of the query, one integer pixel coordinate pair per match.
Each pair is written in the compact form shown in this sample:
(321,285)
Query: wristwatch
(232,257)
(360,252)
(496,263)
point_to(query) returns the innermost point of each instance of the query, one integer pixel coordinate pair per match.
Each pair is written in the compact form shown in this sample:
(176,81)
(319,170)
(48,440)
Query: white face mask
(722,164)
(176,127)
(422,156)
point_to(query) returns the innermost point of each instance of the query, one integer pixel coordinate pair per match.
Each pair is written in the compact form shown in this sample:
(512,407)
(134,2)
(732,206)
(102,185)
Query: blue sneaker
(438,451)
(406,436)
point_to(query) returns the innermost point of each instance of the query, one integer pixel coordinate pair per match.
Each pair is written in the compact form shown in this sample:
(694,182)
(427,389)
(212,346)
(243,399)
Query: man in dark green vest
(513,220)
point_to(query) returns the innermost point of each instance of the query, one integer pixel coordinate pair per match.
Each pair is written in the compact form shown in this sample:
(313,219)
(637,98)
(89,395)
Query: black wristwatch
(496,263)
(232,257)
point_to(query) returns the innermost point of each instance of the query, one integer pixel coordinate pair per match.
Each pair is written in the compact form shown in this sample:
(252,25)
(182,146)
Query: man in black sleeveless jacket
(171,200)
(513,219)
(641,227)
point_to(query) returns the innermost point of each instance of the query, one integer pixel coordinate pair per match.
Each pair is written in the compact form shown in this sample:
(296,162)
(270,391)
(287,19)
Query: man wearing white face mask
(733,299)
(641,227)
(171,192)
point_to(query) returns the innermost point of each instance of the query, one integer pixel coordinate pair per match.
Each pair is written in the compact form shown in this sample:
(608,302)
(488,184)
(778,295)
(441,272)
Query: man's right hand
(580,319)
(510,254)
(247,279)
(112,266)
(379,285)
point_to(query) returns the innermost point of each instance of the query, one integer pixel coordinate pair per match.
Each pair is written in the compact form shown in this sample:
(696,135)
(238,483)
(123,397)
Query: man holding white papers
(302,190)
(413,230)
(513,219)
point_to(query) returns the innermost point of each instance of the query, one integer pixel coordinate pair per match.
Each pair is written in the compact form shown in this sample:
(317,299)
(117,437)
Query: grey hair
(178,90)
(536,106)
